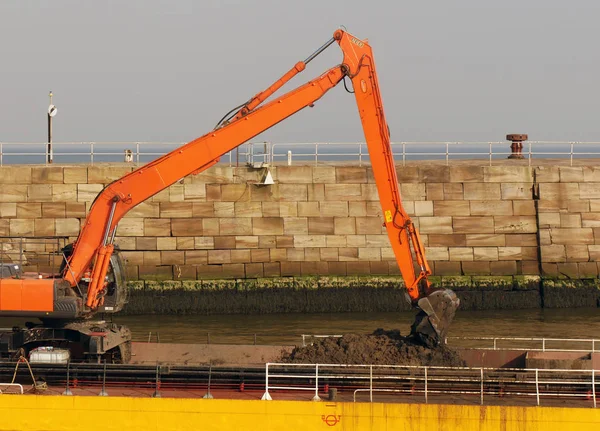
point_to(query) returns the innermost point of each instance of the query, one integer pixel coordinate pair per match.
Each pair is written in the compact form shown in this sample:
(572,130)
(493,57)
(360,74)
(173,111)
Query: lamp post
(51,113)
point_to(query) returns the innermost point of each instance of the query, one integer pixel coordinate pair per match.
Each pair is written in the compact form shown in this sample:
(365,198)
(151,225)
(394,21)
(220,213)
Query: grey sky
(159,70)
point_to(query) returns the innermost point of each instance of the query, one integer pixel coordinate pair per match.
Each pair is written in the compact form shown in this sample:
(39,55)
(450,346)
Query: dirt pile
(380,348)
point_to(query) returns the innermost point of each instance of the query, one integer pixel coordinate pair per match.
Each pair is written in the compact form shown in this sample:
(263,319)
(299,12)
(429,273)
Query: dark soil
(380,348)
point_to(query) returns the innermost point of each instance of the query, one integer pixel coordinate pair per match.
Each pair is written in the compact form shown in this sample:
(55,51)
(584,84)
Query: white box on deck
(49,355)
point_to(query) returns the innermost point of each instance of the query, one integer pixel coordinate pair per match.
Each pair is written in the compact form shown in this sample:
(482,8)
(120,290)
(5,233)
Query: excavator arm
(94,247)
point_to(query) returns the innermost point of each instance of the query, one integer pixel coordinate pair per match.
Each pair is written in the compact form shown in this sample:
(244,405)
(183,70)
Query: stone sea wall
(318,222)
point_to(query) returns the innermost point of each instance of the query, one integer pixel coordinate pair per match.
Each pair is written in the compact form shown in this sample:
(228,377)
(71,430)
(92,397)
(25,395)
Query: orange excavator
(92,279)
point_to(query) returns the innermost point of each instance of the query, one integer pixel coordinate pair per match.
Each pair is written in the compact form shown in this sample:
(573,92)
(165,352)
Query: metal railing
(297,153)
(11,385)
(35,254)
(429,381)
(537,344)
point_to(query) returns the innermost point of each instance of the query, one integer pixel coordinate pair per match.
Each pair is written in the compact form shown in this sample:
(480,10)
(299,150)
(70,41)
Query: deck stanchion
(316,397)
(266,396)
(67,389)
(594,386)
(426,393)
(103,392)
(208,395)
(156,393)
(537,387)
(481,401)
(371,383)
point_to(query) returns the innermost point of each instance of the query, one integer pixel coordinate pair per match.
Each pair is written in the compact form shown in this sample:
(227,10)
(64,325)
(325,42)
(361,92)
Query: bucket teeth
(436,313)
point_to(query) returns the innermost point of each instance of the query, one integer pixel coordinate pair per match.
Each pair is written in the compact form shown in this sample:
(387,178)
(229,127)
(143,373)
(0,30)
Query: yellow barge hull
(48,413)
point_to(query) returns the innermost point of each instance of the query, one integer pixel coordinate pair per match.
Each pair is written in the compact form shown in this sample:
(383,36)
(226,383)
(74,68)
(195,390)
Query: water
(287,328)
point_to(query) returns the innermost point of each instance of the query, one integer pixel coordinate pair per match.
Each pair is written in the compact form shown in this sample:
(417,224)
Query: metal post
(67,389)
(447,149)
(91,153)
(156,393)
(266,396)
(571,153)
(594,386)
(137,152)
(208,395)
(371,383)
(360,154)
(426,393)
(490,144)
(316,397)
(303,340)
(494,343)
(103,392)
(481,386)
(289,157)
(537,387)
(403,153)
(51,113)
(316,154)
(543,344)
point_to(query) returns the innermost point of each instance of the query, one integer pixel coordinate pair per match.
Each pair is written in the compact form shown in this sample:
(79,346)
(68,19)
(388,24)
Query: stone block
(588,269)
(579,206)
(345,226)
(516,191)
(42,227)
(377,241)
(47,175)
(453,191)
(348,254)
(106,174)
(133,257)
(571,174)
(374,209)
(21,227)
(548,220)
(356,240)
(572,236)
(293,192)
(162,196)
(507,174)
(29,210)
(413,191)
(547,174)
(194,192)
(196,257)
(434,174)
(515,224)
(503,268)
(211,226)
(464,174)
(559,192)
(320,226)
(570,220)
(39,193)
(460,254)
(423,208)
(334,209)
(408,174)
(510,253)
(8,210)
(486,208)
(343,192)
(295,255)
(329,254)
(477,225)
(13,193)
(240,256)
(213,192)
(590,220)
(518,240)
(309,209)
(224,242)
(75,175)
(133,226)
(523,208)
(313,268)
(446,268)
(53,210)
(284,241)
(589,190)
(529,253)
(172,257)
(246,241)
(267,226)
(270,209)
(216,174)
(577,253)
(337,268)
(434,191)
(350,175)
(219,256)
(545,238)
(368,225)
(176,193)
(157,227)
(167,243)
(295,174)
(278,254)
(186,227)
(553,253)
(145,243)
(451,208)
(145,209)
(485,253)
(429,225)
(260,255)
(336,240)
(75,209)
(224,209)
(267,241)
(476,268)
(290,269)
(369,192)
(288,209)
(237,226)
(302,241)
(324,174)
(591,174)
(295,225)
(455,240)
(272,269)
(88,192)
(316,192)
(437,253)
(64,193)
(127,243)
(176,210)
(235,192)
(482,191)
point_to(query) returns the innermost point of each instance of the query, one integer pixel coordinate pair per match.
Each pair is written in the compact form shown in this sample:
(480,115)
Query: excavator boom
(85,283)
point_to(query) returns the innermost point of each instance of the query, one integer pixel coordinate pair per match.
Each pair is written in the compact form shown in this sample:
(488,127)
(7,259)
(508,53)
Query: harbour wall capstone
(319,222)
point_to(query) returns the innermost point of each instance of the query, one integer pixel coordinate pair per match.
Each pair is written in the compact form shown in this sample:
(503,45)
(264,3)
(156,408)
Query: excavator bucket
(434,317)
